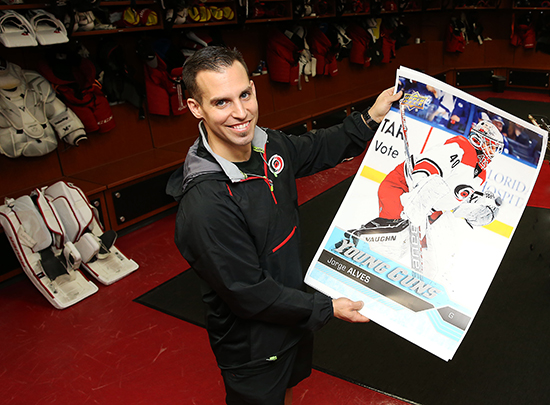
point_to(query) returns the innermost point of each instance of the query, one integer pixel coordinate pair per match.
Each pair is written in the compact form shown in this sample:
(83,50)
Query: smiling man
(237,226)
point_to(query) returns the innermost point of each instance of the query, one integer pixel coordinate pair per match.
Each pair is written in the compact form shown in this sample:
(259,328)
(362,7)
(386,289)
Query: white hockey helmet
(487,140)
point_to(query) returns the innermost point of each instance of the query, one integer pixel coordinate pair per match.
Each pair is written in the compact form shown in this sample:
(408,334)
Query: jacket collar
(230,169)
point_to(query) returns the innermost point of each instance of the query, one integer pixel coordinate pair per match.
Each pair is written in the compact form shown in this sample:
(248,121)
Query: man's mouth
(241,127)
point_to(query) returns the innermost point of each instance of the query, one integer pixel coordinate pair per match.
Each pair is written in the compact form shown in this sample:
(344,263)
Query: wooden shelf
(28,6)
(115,31)
(265,20)
(204,24)
(24,6)
(126,3)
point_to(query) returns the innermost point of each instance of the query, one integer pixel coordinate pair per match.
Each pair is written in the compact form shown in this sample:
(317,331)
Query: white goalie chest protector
(30,116)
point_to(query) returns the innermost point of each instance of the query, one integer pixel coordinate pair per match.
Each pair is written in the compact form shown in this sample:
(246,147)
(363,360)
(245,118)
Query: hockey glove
(480,210)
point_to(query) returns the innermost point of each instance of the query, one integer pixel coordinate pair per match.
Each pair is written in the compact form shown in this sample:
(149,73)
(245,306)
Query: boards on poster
(430,213)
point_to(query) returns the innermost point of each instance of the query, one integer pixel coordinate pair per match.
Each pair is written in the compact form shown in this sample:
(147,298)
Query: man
(237,226)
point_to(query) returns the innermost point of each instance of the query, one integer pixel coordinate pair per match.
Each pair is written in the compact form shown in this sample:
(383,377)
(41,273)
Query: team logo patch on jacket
(276,164)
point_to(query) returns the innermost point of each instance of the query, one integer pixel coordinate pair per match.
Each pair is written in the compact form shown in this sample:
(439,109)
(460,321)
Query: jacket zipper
(268,181)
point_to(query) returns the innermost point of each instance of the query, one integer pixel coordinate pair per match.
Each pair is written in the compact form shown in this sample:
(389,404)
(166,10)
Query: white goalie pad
(72,207)
(31,241)
(88,246)
(431,193)
(99,255)
(51,218)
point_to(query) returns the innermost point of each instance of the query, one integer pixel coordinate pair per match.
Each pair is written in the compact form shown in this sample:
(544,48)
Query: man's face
(229,110)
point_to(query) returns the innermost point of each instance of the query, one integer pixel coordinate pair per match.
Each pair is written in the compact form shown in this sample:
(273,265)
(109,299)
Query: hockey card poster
(430,213)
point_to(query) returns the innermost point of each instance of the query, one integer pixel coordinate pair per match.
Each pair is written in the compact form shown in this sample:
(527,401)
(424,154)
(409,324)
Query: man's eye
(220,103)
(245,95)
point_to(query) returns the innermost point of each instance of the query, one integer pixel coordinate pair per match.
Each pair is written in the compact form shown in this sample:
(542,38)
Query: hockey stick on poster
(414,229)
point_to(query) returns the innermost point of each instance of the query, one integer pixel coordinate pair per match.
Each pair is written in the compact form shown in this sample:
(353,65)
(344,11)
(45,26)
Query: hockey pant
(282,58)
(164,90)
(321,48)
(93,109)
(359,47)
(390,191)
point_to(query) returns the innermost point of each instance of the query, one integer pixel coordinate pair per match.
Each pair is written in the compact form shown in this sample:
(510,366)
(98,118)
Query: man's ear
(195,108)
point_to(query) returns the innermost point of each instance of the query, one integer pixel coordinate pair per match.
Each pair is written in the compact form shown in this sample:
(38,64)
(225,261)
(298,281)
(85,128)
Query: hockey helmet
(487,140)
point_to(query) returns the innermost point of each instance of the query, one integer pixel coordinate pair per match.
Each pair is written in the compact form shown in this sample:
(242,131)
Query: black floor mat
(521,108)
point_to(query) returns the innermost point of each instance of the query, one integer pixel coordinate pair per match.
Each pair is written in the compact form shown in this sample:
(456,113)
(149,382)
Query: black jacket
(240,233)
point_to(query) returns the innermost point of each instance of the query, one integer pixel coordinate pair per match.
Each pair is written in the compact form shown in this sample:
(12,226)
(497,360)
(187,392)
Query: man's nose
(239,110)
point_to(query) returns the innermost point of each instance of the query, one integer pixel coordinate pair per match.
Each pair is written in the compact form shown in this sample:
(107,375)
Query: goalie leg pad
(51,217)
(427,195)
(33,231)
(73,208)
(88,246)
(60,286)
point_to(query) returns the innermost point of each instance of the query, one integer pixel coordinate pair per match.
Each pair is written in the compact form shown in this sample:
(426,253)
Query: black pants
(266,383)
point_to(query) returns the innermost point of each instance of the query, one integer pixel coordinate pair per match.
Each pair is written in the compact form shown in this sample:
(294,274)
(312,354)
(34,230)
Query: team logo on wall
(276,164)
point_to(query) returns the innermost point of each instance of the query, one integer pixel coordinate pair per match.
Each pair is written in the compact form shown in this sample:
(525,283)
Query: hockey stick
(544,125)
(414,230)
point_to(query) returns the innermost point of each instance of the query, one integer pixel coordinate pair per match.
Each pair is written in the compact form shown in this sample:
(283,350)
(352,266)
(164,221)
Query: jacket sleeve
(213,237)
(325,148)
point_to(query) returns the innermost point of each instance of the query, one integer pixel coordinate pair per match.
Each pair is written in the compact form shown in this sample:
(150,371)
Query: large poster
(430,212)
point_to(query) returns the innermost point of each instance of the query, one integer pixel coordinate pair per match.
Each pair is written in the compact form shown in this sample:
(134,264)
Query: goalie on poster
(444,185)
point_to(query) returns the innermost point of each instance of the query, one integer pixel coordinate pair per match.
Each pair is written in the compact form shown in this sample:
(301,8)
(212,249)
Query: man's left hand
(383,104)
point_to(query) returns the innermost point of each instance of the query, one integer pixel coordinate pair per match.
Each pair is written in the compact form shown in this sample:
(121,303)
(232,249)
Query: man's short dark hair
(214,58)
